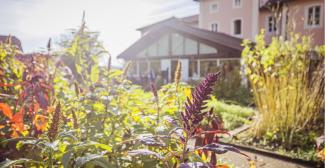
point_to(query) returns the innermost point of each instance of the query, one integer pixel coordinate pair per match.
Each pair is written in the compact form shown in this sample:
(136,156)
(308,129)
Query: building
(245,18)
(213,38)
(237,18)
(165,43)
(301,16)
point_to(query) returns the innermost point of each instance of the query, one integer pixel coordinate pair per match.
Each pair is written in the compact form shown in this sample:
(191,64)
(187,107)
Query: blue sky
(35,21)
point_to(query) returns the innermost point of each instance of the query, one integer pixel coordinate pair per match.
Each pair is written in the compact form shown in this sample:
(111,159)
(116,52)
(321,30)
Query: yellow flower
(321,155)
(40,122)
(252,164)
(188,92)
(50,109)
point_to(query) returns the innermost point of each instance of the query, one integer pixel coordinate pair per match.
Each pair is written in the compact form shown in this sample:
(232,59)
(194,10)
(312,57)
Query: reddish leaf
(18,121)
(34,108)
(45,86)
(6,110)
(213,160)
(14,134)
(8,84)
(215,132)
(19,127)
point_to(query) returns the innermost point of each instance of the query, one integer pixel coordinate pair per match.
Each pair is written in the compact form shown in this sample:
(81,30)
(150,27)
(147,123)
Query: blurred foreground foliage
(287,79)
(64,110)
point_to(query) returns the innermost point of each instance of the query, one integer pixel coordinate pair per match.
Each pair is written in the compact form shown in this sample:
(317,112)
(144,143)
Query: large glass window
(143,67)
(163,45)
(177,44)
(155,67)
(229,65)
(133,68)
(208,66)
(192,70)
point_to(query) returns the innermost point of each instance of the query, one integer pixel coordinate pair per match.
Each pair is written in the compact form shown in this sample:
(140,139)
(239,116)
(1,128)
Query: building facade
(211,40)
(167,42)
(238,18)
(245,18)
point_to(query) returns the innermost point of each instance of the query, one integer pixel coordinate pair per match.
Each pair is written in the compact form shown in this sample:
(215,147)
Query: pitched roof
(187,19)
(190,19)
(156,23)
(175,24)
(14,40)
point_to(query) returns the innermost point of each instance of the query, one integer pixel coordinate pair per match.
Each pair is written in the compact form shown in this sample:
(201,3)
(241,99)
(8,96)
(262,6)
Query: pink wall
(254,20)
(226,14)
(297,20)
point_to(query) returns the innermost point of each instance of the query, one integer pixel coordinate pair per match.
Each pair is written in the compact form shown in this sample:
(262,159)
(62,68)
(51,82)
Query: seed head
(56,117)
(126,68)
(178,73)
(193,115)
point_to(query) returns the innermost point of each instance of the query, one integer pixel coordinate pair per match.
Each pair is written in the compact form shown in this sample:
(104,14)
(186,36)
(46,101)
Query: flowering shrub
(71,112)
(287,78)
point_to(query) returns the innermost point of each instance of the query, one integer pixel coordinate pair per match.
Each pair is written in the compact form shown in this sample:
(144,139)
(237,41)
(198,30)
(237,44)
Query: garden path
(261,161)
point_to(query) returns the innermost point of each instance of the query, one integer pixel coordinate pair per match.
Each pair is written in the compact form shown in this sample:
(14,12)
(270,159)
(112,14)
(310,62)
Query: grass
(232,115)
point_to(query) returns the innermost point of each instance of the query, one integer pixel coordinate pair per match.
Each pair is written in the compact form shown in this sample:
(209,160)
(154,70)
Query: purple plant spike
(193,114)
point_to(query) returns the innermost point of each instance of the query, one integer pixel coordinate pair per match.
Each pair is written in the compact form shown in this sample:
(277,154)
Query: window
(214,7)
(155,67)
(229,65)
(214,27)
(237,27)
(143,67)
(208,66)
(313,16)
(271,24)
(192,70)
(237,3)
(133,70)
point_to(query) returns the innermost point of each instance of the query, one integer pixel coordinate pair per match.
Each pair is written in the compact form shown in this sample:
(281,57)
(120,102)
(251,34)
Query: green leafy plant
(79,114)
(231,88)
(233,116)
(287,78)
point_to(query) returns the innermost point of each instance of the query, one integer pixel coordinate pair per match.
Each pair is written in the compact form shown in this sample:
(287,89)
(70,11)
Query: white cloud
(34,21)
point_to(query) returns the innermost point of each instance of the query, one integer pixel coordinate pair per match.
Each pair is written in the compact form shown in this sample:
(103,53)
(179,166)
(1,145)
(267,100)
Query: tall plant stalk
(287,78)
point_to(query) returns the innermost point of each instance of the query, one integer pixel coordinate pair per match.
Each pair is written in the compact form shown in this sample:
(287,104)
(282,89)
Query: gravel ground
(261,161)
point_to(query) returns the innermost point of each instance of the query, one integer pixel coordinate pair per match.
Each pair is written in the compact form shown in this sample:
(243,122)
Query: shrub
(230,88)
(287,78)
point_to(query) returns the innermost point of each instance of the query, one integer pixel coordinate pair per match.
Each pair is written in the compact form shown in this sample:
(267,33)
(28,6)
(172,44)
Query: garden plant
(287,79)
(61,109)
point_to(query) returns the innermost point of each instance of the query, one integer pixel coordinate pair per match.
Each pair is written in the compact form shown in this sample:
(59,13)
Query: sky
(35,21)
